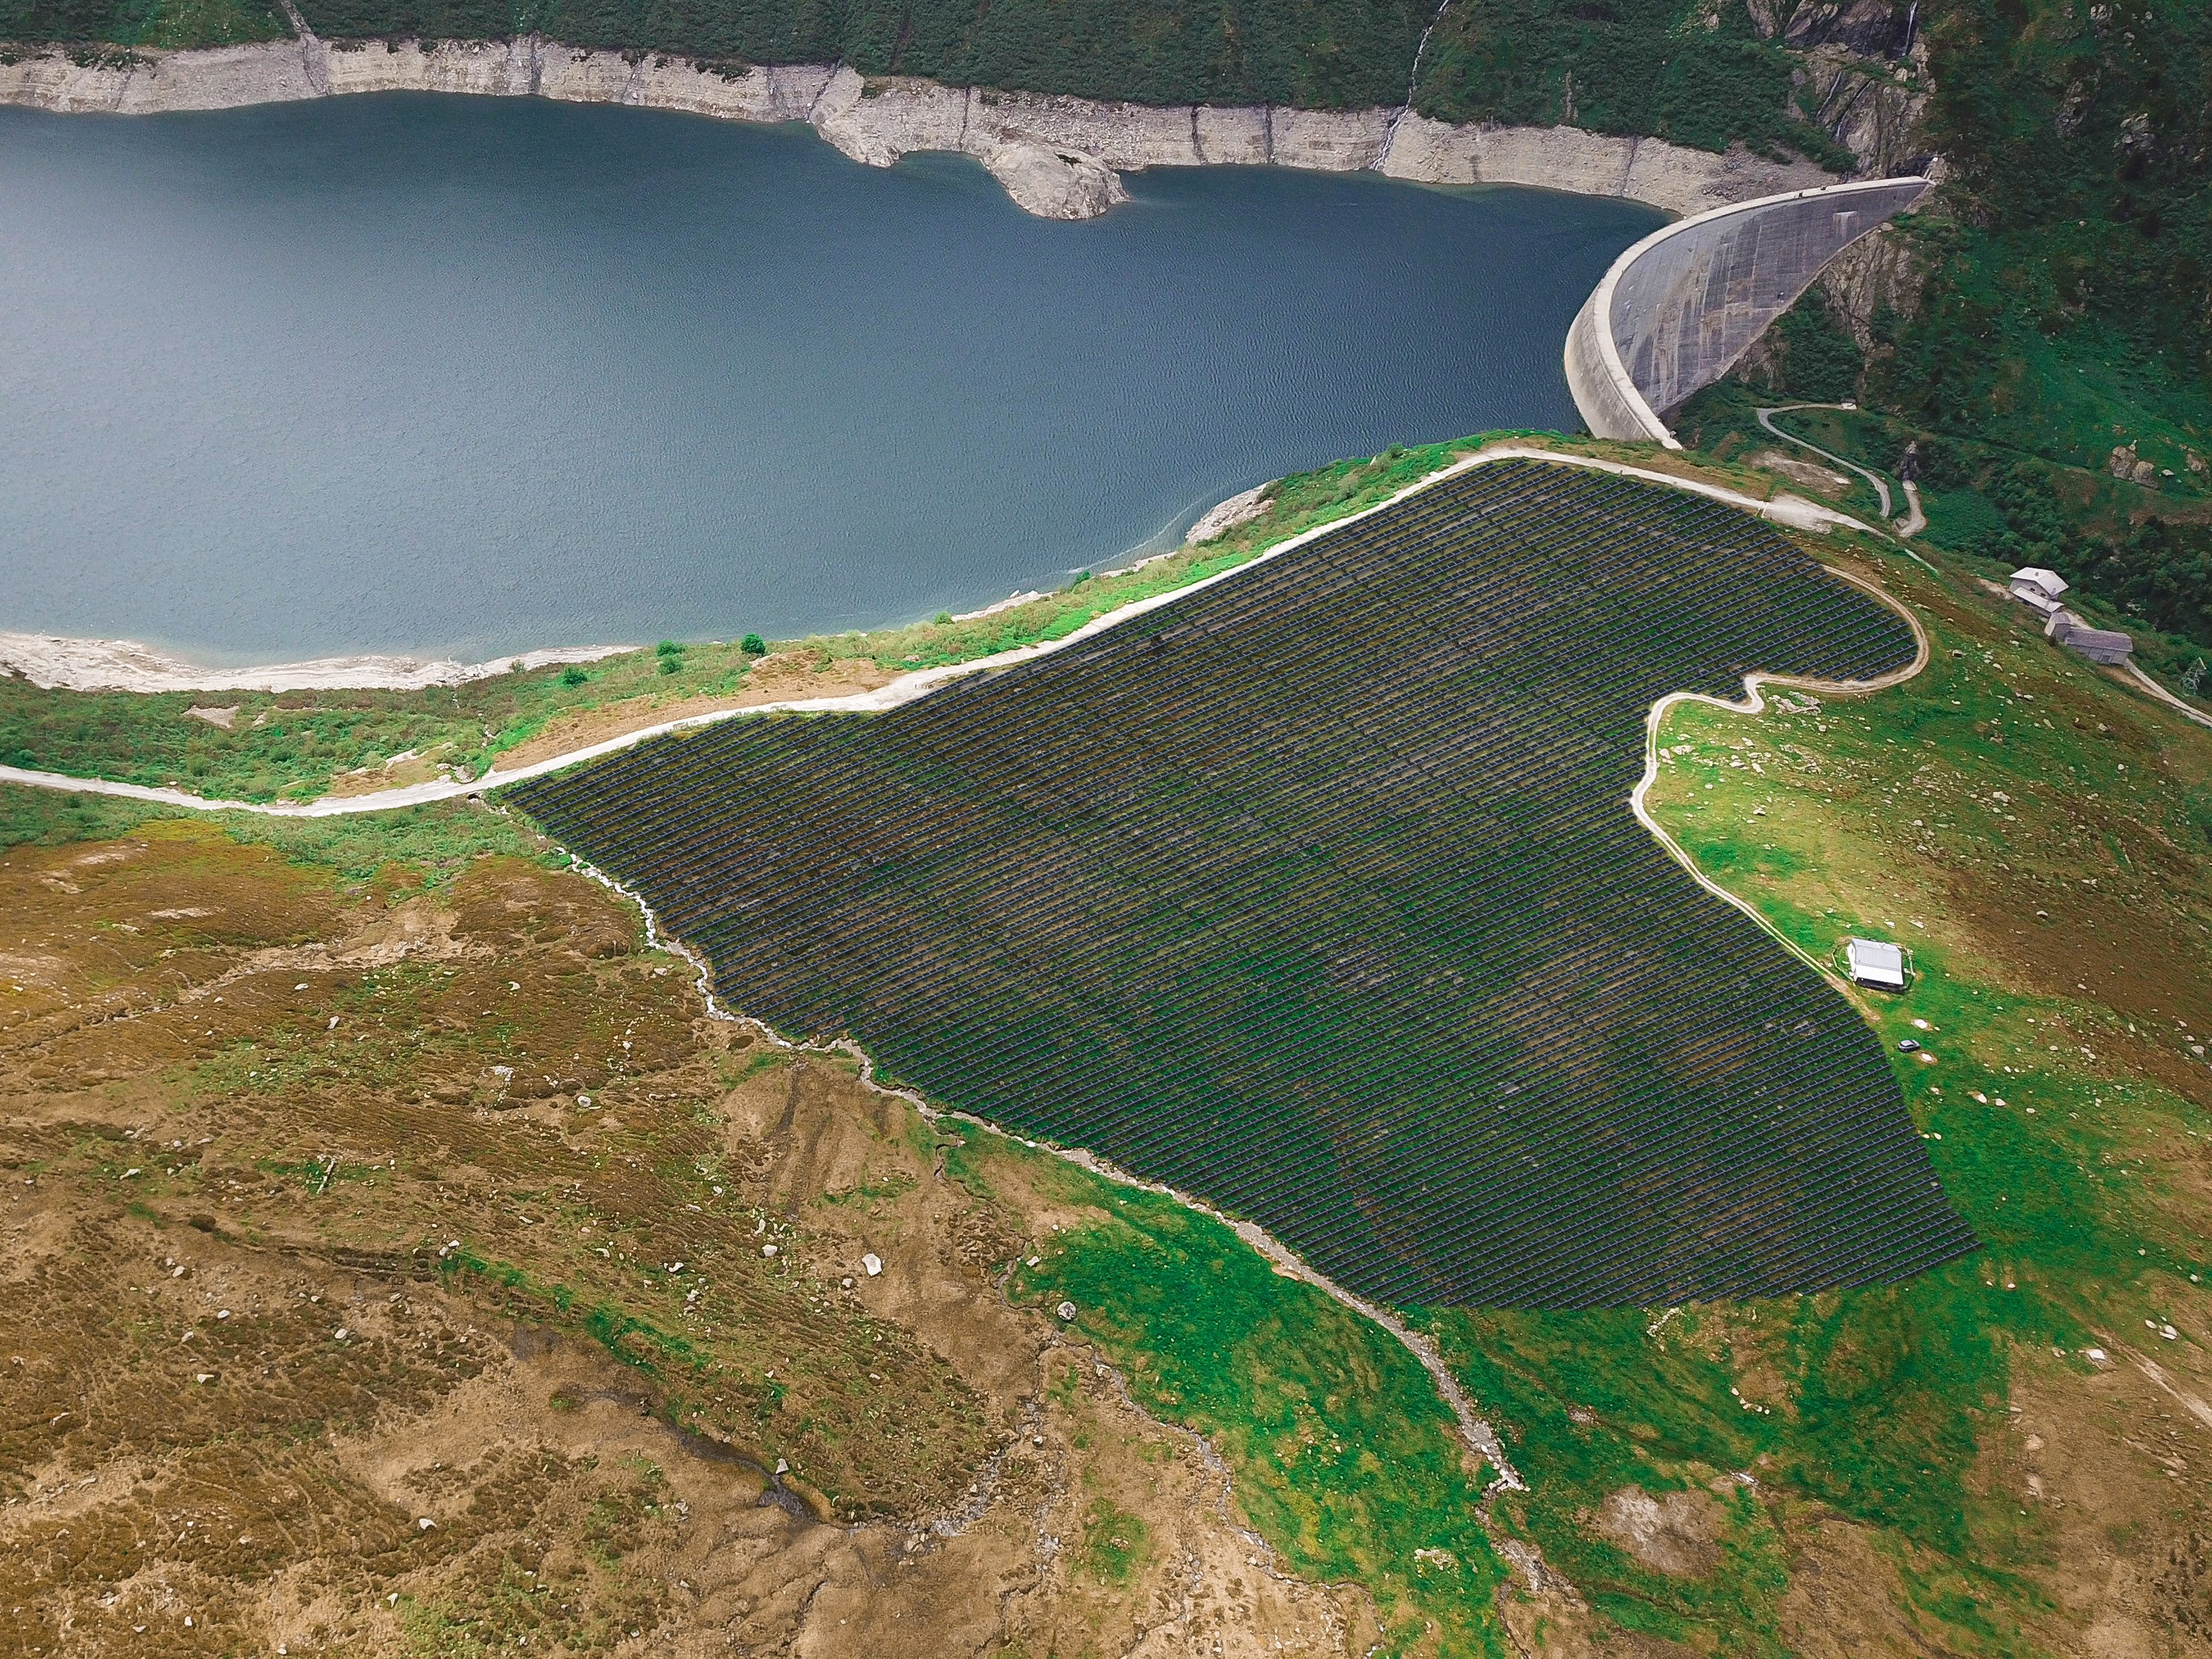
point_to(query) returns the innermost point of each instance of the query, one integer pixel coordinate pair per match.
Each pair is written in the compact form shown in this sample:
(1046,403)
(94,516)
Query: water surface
(464,375)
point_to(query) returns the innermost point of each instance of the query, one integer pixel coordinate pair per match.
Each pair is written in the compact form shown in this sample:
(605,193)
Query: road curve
(1753,703)
(1881,485)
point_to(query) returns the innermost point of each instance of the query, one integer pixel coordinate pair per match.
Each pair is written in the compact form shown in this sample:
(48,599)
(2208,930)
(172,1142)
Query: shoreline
(1057,157)
(55,662)
(1791,512)
(62,662)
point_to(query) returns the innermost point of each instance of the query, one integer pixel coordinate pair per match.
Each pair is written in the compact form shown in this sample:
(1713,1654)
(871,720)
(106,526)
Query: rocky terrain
(1058,157)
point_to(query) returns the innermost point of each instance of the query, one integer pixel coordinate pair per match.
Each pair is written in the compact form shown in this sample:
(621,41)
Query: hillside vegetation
(2046,339)
(1694,72)
(273,1071)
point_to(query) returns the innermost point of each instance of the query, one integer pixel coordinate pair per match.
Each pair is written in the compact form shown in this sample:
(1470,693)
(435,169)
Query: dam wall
(1059,157)
(1677,310)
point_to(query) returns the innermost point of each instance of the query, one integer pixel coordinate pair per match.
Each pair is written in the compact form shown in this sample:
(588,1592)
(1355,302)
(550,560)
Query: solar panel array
(1317,893)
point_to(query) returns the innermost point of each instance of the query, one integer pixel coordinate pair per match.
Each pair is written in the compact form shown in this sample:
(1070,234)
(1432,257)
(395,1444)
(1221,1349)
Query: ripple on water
(467,376)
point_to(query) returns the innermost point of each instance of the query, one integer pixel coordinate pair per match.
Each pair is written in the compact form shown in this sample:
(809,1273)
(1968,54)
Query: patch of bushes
(1633,67)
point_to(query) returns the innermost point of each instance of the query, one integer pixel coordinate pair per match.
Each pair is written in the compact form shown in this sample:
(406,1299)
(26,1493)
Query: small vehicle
(1906,1046)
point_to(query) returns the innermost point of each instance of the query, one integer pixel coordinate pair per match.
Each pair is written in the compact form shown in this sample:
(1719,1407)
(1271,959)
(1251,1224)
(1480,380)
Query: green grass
(409,848)
(52,818)
(293,745)
(1114,1543)
(1342,1453)
(1994,508)
(1881,1404)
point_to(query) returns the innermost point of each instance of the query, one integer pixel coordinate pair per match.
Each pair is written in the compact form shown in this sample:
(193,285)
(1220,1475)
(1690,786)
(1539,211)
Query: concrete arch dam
(1675,310)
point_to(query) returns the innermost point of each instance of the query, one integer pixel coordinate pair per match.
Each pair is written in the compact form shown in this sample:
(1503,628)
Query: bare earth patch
(1673,1532)
(393,1274)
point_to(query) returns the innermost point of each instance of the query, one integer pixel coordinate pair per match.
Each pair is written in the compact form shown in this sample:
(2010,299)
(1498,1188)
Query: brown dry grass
(246,1108)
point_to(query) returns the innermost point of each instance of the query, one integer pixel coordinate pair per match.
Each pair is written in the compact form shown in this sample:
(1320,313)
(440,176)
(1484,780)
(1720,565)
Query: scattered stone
(1225,516)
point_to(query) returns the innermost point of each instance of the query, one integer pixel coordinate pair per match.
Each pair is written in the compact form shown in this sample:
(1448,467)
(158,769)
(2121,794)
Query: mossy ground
(1934,1466)
(1342,1452)
(299,745)
(2040,839)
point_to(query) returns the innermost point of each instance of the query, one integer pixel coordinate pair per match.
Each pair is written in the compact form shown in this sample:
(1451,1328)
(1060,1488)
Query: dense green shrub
(1329,54)
(1625,66)
(2163,574)
(141,22)
(2066,305)
(1820,362)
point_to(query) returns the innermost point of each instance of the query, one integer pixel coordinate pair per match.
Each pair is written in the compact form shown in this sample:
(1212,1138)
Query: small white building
(1877,962)
(2032,585)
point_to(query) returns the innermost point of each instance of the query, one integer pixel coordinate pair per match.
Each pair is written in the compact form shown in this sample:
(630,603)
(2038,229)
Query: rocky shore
(50,661)
(1057,157)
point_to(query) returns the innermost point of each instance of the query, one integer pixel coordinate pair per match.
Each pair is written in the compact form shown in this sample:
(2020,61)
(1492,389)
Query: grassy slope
(1879,1407)
(1343,1455)
(416,847)
(296,744)
(2080,239)
(1884,1410)
(1992,509)
(1964,814)
(2058,326)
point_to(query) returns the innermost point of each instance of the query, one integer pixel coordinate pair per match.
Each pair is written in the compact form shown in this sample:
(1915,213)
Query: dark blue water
(469,375)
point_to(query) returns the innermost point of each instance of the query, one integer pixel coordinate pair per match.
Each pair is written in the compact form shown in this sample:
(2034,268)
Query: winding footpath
(1880,484)
(1753,703)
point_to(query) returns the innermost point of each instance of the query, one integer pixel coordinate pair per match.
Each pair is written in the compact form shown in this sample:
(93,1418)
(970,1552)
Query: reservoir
(467,376)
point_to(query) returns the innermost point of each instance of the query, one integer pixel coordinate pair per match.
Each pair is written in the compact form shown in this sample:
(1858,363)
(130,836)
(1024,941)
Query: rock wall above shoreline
(1057,157)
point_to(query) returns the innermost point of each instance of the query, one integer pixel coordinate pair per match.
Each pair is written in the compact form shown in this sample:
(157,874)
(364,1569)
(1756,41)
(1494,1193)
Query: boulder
(1055,183)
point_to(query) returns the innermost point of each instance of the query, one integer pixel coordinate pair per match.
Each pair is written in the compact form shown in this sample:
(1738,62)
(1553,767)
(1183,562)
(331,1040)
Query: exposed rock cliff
(1874,274)
(1864,75)
(1057,157)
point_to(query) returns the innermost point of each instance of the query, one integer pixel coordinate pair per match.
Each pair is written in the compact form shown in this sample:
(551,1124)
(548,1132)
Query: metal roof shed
(2101,644)
(1877,962)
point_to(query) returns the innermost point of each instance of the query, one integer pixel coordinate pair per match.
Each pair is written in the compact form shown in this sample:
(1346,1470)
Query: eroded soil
(391,1271)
